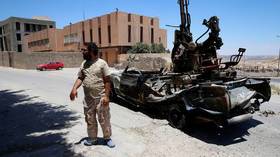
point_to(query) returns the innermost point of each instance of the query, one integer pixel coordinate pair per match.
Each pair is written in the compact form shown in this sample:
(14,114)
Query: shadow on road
(210,133)
(207,132)
(30,128)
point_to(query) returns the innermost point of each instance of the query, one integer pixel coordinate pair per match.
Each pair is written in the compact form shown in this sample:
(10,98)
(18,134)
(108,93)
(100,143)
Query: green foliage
(275,89)
(140,48)
(157,48)
(145,48)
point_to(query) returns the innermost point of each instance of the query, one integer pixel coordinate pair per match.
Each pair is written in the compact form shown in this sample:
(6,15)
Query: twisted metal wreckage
(200,85)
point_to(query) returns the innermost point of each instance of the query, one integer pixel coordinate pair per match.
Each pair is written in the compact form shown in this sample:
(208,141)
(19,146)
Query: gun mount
(193,57)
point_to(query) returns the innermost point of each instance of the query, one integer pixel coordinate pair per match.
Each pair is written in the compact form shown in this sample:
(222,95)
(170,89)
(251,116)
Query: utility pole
(278,63)
(278,36)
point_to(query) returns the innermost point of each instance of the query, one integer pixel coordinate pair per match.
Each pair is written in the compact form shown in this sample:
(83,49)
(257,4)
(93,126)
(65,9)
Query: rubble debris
(266,113)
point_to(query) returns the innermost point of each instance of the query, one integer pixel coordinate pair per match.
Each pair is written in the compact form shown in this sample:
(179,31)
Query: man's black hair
(91,46)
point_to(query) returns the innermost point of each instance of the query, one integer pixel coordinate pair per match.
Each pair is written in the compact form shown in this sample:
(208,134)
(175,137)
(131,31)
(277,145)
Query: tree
(140,48)
(157,48)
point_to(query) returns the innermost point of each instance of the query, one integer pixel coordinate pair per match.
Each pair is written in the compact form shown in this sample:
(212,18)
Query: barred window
(70,38)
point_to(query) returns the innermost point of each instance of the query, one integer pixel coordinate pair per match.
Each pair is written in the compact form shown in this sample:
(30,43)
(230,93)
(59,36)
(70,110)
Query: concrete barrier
(31,59)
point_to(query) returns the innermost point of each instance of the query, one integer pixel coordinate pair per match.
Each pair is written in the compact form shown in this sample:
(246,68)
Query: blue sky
(252,24)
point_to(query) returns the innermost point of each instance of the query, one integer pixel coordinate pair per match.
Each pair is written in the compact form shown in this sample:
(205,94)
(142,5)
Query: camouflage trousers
(103,114)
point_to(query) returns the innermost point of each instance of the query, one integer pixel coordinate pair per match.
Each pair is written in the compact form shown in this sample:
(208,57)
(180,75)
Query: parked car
(50,65)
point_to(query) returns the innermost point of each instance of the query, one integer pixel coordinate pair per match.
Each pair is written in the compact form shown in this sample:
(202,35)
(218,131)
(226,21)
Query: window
(17,26)
(67,39)
(109,33)
(141,19)
(1,44)
(152,35)
(108,18)
(129,33)
(1,31)
(45,41)
(73,38)
(43,27)
(141,34)
(90,31)
(99,20)
(51,26)
(159,39)
(83,33)
(100,55)
(70,38)
(38,42)
(19,47)
(27,27)
(129,18)
(99,35)
(39,27)
(18,37)
(152,21)
(33,28)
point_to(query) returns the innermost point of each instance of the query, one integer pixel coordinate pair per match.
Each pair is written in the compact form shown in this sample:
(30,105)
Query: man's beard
(86,56)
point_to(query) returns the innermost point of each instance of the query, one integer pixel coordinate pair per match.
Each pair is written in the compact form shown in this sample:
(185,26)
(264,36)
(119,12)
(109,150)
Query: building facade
(13,30)
(113,33)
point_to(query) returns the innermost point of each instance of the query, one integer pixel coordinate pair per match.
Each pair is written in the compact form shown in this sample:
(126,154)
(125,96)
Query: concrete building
(13,30)
(114,34)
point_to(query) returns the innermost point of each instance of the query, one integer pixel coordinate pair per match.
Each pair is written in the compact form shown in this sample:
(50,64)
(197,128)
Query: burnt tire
(177,117)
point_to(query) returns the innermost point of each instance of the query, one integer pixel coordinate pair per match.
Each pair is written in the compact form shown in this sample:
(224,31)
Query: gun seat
(234,59)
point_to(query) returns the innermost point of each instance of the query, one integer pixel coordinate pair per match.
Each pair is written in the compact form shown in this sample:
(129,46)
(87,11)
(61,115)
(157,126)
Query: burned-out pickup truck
(200,85)
(183,97)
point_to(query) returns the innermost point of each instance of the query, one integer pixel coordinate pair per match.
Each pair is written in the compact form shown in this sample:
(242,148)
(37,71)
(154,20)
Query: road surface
(38,119)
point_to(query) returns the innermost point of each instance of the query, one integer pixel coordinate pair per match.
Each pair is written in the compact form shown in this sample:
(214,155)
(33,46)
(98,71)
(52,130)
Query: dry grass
(275,89)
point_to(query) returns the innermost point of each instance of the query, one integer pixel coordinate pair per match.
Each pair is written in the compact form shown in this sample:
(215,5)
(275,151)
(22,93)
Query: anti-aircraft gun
(199,87)
(193,57)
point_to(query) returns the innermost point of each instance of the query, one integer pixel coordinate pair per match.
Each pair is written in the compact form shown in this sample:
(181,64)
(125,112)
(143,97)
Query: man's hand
(105,101)
(73,94)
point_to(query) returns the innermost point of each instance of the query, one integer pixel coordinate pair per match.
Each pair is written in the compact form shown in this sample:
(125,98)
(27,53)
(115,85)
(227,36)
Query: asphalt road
(38,119)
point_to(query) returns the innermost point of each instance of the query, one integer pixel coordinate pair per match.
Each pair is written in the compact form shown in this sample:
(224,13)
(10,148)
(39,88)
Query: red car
(50,65)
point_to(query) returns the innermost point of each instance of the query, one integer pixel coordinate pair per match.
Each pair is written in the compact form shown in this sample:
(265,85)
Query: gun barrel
(183,15)
(188,18)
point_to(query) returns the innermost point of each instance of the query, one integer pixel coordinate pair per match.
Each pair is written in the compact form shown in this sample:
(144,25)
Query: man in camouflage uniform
(94,75)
